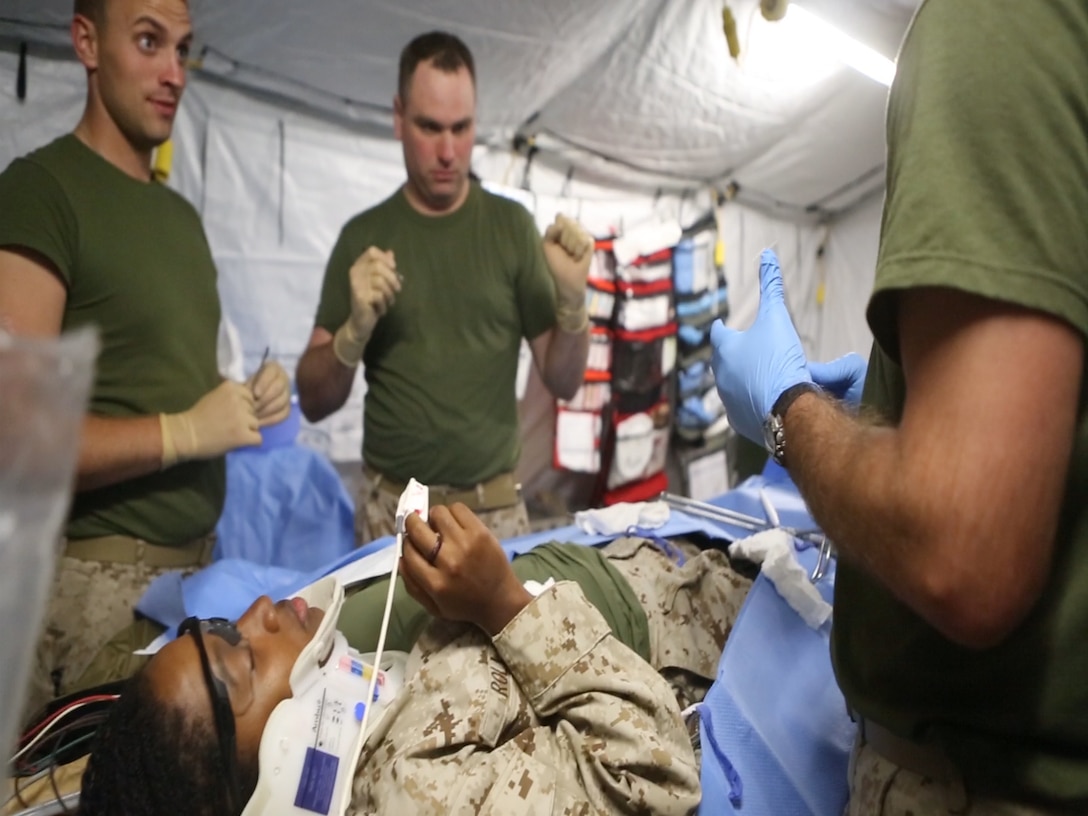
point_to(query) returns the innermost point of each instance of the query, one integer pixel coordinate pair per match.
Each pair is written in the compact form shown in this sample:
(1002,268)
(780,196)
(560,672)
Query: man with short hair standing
(433,289)
(88,238)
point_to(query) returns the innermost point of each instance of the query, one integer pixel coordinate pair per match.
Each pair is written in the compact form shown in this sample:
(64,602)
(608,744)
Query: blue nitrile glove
(844,377)
(752,368)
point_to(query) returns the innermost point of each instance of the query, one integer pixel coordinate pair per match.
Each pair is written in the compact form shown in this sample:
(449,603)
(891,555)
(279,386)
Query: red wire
(60,712)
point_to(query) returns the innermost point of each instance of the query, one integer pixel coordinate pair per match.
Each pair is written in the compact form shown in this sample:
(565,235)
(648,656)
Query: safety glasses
(217,689)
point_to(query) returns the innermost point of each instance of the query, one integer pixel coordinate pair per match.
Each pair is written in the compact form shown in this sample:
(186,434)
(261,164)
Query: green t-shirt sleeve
(987,187)
(35,214)
(335,304)
(536,297)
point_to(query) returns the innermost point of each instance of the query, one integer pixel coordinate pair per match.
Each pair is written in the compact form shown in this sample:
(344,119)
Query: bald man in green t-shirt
(433,290)
(87,237)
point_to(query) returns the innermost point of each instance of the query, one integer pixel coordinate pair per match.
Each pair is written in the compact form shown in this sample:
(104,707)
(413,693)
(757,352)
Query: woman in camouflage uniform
(553,703)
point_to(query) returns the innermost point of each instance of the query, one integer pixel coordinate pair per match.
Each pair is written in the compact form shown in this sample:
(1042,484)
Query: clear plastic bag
(44,387)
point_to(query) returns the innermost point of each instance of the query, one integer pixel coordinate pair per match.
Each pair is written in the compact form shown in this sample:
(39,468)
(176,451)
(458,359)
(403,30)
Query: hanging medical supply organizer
(579,421)
(618,424)
(649,390)
(643,359)
(701,430)
(701,298)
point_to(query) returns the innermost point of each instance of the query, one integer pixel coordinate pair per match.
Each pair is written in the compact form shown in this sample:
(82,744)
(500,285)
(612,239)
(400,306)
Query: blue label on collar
(317,782)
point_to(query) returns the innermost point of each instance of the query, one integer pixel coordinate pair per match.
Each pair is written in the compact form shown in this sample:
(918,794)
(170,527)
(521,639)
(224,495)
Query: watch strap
(775,423)
(787,397)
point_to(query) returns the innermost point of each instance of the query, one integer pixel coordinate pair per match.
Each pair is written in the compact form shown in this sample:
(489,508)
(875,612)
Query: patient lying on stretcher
(510,702)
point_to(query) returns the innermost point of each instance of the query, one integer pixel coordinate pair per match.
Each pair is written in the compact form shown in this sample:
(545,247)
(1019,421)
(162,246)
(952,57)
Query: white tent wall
(827,268)
(52,108)
(275,184)
(849,267)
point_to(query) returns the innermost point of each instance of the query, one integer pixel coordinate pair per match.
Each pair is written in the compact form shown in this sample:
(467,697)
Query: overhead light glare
(860,57)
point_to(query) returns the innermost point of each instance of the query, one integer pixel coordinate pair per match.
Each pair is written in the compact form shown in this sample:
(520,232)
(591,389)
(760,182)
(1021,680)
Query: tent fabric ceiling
(634,93)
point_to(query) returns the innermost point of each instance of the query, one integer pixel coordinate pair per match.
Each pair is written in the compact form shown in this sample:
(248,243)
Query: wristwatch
(774,426)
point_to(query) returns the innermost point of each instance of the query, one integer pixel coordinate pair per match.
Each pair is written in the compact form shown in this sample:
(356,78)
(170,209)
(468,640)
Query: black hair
(445,50)
(151,756)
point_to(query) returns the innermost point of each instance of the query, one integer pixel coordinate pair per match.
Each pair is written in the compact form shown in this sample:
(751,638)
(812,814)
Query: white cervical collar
(313,739)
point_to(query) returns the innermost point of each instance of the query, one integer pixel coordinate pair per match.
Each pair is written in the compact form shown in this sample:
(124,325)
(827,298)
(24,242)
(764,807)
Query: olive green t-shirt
(441,364)
(987,192)
(602,584)
(136,264)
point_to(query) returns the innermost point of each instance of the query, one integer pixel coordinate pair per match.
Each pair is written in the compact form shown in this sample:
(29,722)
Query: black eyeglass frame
(222,712)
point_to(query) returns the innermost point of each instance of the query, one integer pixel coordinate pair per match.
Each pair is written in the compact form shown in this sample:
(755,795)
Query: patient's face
(256,671)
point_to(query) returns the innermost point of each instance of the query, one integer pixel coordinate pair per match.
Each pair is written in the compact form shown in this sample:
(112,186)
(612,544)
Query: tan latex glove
(223,419)
(568,249)
(271,389)
(374,288)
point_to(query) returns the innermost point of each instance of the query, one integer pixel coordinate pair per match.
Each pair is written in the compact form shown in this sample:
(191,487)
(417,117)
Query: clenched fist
(568,249)
(374,288)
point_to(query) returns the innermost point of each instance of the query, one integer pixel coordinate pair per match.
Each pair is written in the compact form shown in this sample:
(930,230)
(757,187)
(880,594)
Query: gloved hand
(752,368)
(568,249)
(220,421)
(271,389)
(844,377)
(374,287)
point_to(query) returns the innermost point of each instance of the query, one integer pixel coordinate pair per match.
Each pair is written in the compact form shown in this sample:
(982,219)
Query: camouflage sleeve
(614,731)
(555,716)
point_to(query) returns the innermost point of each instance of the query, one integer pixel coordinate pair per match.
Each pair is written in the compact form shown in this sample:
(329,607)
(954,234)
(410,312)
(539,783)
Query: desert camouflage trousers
(691,598)
(376,515)
(879,787)
(89,603)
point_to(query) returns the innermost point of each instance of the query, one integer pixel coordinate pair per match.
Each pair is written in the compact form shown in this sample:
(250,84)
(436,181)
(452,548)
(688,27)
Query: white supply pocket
(578,440)
(641,446)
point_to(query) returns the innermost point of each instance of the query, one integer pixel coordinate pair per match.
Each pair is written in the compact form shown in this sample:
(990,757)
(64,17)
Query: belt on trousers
(498,491)
(925,760)
(123,549)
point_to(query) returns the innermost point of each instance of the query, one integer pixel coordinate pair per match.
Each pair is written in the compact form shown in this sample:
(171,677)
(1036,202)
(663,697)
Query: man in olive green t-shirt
(433,290)
(88,238)
(960,636)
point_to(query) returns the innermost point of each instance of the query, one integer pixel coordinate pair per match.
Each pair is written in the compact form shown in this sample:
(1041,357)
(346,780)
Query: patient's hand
(456,569)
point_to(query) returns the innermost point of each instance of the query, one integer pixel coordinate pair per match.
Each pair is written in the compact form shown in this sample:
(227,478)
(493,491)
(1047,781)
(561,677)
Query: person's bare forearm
(565,365)
(324,383)
(905,513)
(839,464)
(115,450)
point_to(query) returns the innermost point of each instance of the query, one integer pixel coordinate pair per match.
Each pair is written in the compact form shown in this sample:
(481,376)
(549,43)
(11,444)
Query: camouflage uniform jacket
(553,716)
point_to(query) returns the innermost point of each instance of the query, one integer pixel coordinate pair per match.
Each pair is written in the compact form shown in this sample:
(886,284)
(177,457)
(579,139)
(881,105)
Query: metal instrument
(744,521)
